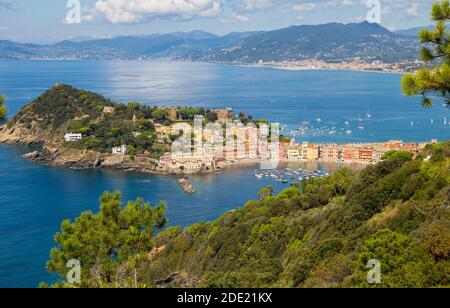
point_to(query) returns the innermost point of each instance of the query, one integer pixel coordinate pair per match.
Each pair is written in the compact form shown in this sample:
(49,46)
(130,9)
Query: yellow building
(293,153)
(162,130)
(312,152)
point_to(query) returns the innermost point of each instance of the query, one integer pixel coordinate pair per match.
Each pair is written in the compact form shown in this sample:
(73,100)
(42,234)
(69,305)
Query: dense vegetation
(319,234)
(64,109)
(433,82)
(108,244)
(3,110)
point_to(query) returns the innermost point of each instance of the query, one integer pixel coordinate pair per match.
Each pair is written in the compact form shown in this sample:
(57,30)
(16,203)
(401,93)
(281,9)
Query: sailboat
(306,123)
(369,115)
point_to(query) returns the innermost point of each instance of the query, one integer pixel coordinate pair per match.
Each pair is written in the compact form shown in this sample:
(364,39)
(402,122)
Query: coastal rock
(187,186)
(32,155)
(26,134)
(113,160)
(179,279)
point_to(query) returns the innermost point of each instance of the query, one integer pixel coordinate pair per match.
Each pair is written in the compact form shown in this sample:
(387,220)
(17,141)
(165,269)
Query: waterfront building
(172,113)
(224,115)
(330,152)
(122,150)
(108,109)
(70,137)
(413,148)
(365,154)
(378,153)
(304,151)
(393,144)
(293,153)
(348,153)
(312,152)
(166,159)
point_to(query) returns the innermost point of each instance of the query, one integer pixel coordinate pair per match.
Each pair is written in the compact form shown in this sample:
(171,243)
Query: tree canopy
(109,244)
(3,110)
(428,82)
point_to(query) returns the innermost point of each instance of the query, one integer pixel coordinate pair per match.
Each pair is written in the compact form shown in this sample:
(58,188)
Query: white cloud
(304,7)
(136,11)
(241,18)
(413,10)
(141,11)
(255,5)
(347,2)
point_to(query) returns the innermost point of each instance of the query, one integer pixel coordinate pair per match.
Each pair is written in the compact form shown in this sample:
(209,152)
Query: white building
(122,150)
(69,137)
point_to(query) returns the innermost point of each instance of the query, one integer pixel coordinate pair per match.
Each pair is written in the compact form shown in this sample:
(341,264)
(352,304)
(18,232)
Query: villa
(70,137)
(122,150)
(108,109)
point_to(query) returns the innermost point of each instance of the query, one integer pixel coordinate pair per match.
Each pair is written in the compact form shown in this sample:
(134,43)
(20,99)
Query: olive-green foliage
(397,155)
(107,244)
(430,82)
(404,263)
(66,109)
(3,110)
(322,233)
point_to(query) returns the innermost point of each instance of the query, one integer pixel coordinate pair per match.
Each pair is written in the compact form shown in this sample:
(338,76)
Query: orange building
(365,154)
(330,152)
(348,153)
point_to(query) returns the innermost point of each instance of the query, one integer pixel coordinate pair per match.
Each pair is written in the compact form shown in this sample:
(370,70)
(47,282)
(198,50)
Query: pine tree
(3,110)
(433,82)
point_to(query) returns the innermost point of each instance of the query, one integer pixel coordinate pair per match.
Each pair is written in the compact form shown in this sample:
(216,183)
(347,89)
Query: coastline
(248,65)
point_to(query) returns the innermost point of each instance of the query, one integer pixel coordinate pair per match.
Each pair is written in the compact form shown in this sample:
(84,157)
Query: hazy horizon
(47,22)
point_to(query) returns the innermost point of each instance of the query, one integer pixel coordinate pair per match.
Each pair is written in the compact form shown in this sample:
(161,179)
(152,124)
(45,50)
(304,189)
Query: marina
(290,176)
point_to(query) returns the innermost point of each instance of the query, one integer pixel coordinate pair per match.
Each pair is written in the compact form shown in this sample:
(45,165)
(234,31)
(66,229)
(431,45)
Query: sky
(47,21)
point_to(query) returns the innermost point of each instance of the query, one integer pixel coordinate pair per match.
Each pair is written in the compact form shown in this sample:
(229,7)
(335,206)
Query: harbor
(290,176)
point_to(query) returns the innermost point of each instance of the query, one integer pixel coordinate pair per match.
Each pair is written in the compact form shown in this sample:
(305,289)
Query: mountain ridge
(327,42)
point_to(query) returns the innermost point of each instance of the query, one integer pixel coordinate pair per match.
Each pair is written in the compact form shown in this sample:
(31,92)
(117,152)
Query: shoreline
(248,65)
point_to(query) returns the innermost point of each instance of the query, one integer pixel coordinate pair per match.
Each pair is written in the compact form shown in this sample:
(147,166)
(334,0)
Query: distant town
(250,146)
(356,64)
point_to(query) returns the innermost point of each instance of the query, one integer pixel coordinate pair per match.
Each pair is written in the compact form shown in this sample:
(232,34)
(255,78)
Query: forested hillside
(323,235)
(397,212)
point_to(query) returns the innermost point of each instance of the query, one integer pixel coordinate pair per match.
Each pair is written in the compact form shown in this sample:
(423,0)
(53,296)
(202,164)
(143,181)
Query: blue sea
(35,198)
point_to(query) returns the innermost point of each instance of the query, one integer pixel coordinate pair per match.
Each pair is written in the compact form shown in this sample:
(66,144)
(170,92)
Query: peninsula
(84,130)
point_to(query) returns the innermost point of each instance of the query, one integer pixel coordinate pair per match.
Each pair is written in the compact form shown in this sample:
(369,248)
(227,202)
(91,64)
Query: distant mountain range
(328,42)
(412,32)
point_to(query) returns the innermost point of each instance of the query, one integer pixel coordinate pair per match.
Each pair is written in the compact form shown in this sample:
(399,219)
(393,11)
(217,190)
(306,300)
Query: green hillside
(396,212)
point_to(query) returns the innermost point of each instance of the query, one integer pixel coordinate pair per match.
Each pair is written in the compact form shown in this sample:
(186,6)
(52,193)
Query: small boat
(361,127)
(369,115)
(348,132)
(306,123)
